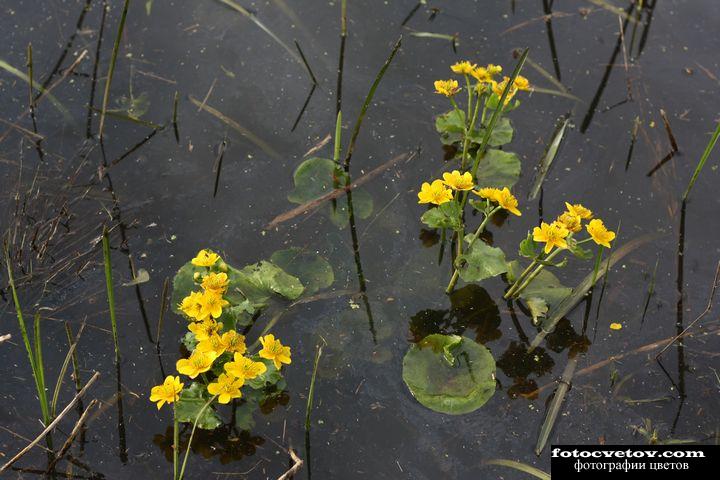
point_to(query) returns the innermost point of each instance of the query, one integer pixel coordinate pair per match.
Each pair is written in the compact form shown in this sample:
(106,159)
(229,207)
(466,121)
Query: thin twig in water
(76,429)
(669,131)
(52,424)
(333,194)
(714,287)
(297,464)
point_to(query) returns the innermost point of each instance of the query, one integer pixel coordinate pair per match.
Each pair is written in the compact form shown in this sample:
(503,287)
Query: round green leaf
(498,169)
(315,177)
(313,271)
(449,373)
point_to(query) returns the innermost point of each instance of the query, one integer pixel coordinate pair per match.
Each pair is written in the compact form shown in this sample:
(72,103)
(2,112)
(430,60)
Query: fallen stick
(333,194)
(52,424)
(73,434)
(294,469)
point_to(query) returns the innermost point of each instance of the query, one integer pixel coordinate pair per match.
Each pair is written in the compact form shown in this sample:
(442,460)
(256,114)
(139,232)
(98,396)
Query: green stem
(192,434)
(176,441)
(471,241)
(536,272)
(110,291)
(598,259)
(520,278)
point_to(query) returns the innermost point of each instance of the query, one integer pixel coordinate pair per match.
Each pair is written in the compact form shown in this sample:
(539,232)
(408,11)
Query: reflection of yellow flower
(435,193)
(213,343)
(234,342)
(205,258)
(245,368)
(205,329)
(446,87)
(215,282)
(458,181)
(552,235)
(579,211)
(503,198)
(199,362)
(274,350)
(226,388)
(570,221)
(600,234)
(463,68)
(192,306)
(615,326)
(212,304)
(168,392)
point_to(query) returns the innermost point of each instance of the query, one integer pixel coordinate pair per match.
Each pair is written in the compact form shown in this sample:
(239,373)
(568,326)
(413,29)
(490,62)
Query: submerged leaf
(456,387)
(315,177)
(313,271)
(482,261)
(498,169)
(538,308)
(191,402)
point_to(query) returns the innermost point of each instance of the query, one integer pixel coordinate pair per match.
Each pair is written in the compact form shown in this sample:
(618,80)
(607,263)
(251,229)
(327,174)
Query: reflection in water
(518,364)
(471,308)
(223,442)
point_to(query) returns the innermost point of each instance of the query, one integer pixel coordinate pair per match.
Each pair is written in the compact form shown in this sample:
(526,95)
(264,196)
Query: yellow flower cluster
(203,308)
(485,77)
(441,191)
(556,233)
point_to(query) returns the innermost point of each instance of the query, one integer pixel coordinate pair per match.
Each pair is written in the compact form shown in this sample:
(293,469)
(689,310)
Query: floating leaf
(257,282)
(313,271)
(446,215)
(498,169)
(449,374)
(481,261)
(547,287)
(192,400)
(362,208)
(538,307)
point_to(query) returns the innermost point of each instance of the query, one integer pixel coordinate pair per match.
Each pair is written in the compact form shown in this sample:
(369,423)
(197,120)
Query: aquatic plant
(216,300)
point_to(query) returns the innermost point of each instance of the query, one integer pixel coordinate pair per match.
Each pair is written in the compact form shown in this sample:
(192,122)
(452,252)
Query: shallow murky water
(365,422)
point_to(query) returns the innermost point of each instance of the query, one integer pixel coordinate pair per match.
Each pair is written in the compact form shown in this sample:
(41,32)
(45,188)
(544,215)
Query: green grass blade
(311,392)
(110,291)
(22,76)
(40,367)
(111,69)
(548,159)
(366,103)
(496,113)
(523,467)
(63,370)
(703,159)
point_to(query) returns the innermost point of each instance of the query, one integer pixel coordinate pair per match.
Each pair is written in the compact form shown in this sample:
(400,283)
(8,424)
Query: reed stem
(111,69)
(110,291)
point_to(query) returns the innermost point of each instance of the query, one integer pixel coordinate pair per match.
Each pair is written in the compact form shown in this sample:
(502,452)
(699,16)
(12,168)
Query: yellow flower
(226,388)
(168,392)
(458,181)
(615,326)
(205,329)
(205,258)
(498,89)
(600,234)
(435,193)
(213,344)
(508,201)
(489,193)
(521,83)
(503,198)
(192,306)
(493,69)
(553,235)
(199,362)
(485,74)
(570,221)
(579,211)
(233,342)
(216,283)
(446,87)
(463,67)
(212,304)
(274,350)
(245,368)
